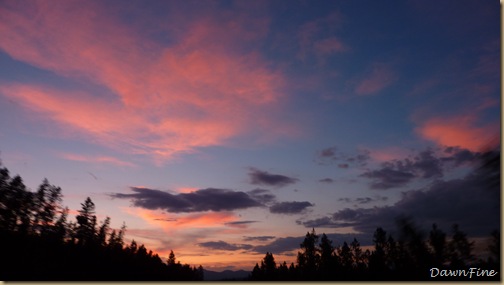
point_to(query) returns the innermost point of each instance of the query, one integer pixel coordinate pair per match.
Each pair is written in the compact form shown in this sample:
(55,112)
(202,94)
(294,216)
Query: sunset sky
(225,129)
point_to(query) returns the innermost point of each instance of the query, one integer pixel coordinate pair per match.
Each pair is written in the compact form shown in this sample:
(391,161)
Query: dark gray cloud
(473,202)
(263,196)
(210,199)
(327,180)
(329,152)
(259,238)
(426,164)
(397,173)
(280,245)
(324,222)
(290,207)
(459,156)
(259,177)
(222,245)
(386,178)
(363,200)
(239,223)
(331,155)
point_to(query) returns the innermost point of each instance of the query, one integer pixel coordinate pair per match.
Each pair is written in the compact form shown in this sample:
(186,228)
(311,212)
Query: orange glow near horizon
(182,221)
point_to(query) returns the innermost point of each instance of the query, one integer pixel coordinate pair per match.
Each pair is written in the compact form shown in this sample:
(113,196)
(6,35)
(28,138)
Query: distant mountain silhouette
(225,275)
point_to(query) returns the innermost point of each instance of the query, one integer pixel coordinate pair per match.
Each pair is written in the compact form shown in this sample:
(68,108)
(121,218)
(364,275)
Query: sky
(224,129)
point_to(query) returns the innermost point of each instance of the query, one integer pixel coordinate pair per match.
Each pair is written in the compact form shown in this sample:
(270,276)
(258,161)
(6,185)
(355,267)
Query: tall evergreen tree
(268,266)
(377,261)
(437,241)
(460,249)
(308,258)
(86,221)
(47,202)
(103,232)
(328,262)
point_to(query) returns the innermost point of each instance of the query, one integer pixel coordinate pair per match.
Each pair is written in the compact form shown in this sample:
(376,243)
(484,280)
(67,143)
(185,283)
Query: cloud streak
(210,199)
(222,245)
(259,177)
(194,92)
(97,159)
(379,78)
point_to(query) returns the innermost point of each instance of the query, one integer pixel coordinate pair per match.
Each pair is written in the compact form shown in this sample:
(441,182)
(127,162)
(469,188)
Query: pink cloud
(379,78)
(388,153)
(460,131)
(97,159)
(201,90)
(311,41)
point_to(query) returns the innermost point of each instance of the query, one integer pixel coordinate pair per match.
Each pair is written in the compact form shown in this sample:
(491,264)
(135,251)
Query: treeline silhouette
(38,242)
(410,258)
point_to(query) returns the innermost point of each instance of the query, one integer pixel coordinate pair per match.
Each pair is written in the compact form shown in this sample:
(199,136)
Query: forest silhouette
(40,243)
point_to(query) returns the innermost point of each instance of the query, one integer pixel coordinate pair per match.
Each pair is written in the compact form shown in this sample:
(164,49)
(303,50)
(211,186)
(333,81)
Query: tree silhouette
(47,202)
(86,222)
(377,259)
(308,259)
(437,241)
(328,259)
(460,249)
(39,243)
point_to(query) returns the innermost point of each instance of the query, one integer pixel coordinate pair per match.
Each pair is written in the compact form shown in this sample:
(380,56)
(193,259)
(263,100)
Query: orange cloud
(182,221)
(186,189)
(459,131)
(201,90)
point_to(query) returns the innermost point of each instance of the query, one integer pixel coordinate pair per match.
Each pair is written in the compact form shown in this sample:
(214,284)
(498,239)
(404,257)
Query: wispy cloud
(97,159)
(332,155)
(378,78)
(327,180)
(240,224)
(195,92)
(312,39)
(363,200)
